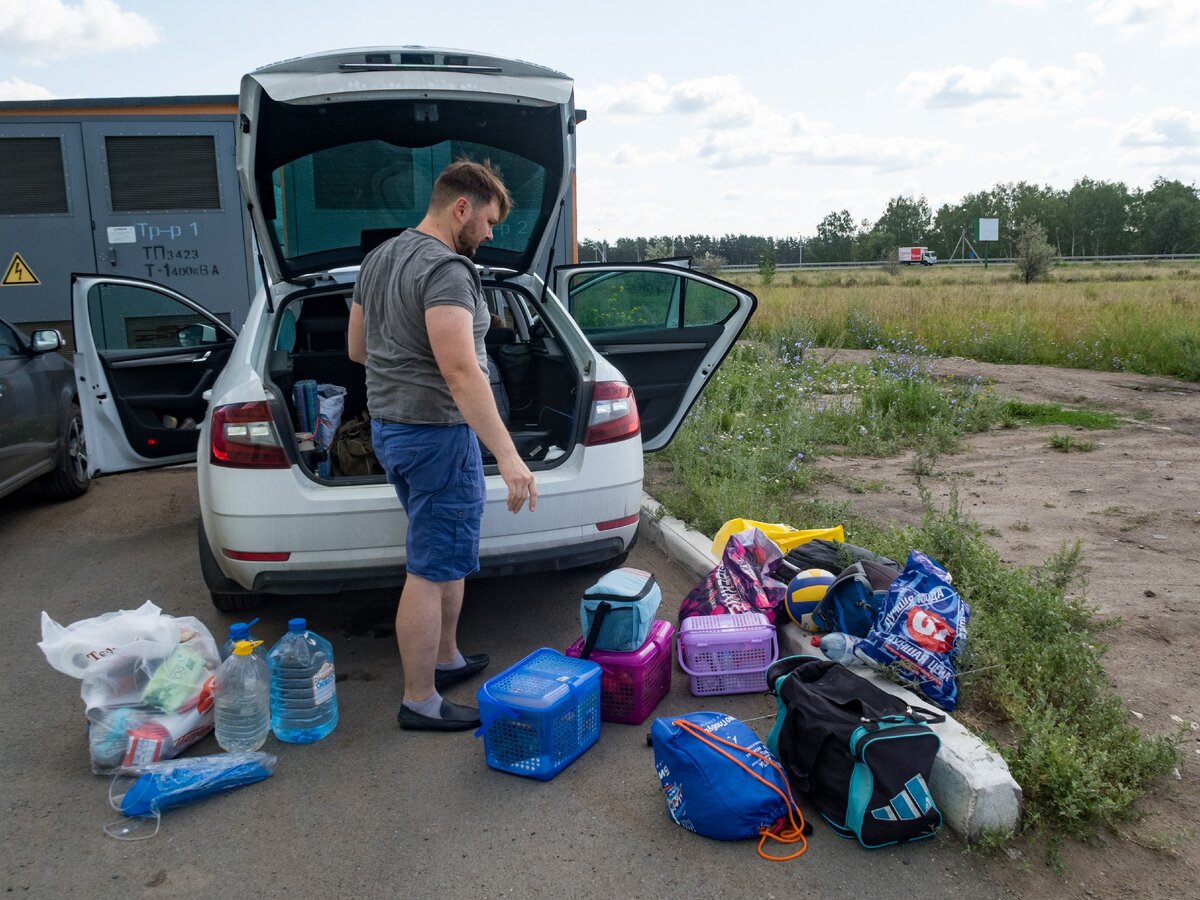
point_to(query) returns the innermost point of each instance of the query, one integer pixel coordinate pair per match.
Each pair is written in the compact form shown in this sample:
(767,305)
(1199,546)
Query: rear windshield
(361,193)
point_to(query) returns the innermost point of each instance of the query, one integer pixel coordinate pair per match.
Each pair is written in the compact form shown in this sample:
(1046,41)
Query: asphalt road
(371,810)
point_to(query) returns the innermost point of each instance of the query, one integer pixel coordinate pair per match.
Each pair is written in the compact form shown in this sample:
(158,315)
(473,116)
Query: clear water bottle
(839,647)
(242,700)
(240,631)
(303,692)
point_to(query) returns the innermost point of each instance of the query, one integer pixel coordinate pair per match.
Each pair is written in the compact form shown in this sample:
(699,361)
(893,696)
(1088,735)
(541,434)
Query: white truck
(922,255)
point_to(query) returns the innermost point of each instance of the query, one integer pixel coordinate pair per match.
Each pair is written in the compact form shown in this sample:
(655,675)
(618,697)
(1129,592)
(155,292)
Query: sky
(714,118)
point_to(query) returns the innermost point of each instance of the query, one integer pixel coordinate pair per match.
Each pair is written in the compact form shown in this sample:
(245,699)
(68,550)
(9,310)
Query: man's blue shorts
(437,472)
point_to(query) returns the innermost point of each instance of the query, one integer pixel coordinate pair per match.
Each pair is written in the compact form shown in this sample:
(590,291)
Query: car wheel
(235,602)
(72,476)
(227,595)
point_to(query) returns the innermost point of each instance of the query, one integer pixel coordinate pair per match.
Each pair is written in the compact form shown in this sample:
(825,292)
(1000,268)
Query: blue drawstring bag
(921,629)
(177,782)
(722,782)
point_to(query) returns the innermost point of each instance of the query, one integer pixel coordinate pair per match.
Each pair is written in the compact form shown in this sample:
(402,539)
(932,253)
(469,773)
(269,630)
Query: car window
(129,317)
(707,304)
(9,345)
(335,197)
(625,300)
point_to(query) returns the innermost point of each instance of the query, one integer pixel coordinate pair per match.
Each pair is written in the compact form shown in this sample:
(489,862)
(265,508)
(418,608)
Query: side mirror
(46,340)
(195,335)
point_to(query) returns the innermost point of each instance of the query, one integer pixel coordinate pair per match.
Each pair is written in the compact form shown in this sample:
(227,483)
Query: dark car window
(132,317)
(9,344)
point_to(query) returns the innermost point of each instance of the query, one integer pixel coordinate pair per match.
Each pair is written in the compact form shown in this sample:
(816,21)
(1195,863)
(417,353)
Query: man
(417,322)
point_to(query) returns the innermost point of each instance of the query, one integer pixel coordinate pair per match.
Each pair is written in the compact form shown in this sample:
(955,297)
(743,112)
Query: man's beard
(462,243)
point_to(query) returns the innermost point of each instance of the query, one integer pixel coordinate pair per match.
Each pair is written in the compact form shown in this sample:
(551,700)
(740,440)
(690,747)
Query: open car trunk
(535,383)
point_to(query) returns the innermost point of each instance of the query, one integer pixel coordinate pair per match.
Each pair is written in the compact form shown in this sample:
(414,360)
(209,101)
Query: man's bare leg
(419,618)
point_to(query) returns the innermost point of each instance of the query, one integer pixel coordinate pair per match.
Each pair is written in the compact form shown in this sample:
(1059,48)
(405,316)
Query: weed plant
(1032,664)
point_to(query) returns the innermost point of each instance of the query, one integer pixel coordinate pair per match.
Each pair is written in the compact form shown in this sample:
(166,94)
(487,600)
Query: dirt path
(1134,504)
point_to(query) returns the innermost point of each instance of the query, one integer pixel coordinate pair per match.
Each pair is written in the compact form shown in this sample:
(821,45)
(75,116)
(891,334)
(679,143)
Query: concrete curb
(971,784)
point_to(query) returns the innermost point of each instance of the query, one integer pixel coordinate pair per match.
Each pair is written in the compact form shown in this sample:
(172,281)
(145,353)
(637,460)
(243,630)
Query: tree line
(1092,218)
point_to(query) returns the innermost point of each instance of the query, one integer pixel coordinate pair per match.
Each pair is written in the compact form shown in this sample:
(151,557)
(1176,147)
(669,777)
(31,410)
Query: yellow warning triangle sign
(19,272)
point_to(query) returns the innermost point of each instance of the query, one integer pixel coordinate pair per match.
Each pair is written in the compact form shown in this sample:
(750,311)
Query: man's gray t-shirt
(398,282)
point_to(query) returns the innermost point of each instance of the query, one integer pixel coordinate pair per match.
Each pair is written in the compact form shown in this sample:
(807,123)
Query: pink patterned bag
(738,583)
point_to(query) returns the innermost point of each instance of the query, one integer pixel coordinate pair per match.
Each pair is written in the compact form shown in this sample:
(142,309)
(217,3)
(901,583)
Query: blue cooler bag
(722,782)
(617,612)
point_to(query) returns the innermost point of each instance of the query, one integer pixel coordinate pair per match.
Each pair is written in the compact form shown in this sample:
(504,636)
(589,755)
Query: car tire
(227,595)
(71,477)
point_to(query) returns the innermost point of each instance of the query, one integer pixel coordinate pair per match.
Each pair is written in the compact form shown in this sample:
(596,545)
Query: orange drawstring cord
(791,833)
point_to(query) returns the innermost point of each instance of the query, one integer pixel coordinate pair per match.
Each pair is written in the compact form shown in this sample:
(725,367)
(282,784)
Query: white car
(336,152)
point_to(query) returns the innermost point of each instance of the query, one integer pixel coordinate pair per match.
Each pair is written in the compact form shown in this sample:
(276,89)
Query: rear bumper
(352,536)
(385,577)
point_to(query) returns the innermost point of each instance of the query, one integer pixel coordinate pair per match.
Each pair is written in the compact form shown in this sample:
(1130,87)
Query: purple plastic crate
(633,683)
(727,654)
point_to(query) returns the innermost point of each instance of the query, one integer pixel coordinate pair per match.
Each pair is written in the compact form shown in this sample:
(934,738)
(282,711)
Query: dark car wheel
(71,477)
(227,595)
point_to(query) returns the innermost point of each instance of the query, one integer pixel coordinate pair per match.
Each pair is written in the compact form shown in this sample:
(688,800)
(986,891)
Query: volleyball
(805,592)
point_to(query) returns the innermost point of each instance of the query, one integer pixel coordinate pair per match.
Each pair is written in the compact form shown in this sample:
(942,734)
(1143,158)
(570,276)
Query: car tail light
(243,436)
(614,415)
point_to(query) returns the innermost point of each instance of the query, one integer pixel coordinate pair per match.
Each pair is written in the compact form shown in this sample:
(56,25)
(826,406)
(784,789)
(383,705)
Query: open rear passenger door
(665,327)
(144,356)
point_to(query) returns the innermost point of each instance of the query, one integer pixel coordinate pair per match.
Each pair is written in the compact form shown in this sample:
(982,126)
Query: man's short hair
(480,183)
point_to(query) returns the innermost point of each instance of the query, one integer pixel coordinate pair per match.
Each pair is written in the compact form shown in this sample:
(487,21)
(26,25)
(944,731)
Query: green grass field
(1135,317)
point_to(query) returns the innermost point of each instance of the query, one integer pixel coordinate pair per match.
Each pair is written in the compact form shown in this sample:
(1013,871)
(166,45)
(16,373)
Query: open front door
(666,328)
(144,357)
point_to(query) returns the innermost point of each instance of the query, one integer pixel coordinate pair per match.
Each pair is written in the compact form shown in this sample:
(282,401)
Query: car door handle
(202,358)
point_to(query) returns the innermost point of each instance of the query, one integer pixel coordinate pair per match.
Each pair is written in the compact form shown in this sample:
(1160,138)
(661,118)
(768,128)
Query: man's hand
(521,485)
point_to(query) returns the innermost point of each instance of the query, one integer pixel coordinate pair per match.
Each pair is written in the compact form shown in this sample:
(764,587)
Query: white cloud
(1165,137)
(1168,127)
(733,129)
(1009,89)
(20,89)
(1038,6)
(43,30)
(1179,20)
(717,99)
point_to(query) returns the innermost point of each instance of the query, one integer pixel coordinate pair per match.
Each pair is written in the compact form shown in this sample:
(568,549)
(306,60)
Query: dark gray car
(41,430)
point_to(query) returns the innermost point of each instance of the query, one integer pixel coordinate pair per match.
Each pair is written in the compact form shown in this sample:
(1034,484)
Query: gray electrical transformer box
(142,187)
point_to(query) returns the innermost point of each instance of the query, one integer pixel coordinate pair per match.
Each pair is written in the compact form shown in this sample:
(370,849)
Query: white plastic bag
(145,680)
(137,633)
(331,401)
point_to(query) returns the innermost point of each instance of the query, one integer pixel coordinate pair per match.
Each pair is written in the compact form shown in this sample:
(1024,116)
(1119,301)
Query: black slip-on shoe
(444,678)
(454,718)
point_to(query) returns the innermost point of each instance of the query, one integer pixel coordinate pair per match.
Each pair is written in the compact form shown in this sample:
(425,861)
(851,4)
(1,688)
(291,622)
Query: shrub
(1035,253)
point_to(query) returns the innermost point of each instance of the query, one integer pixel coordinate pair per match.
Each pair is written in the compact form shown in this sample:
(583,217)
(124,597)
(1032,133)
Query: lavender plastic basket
(633,683)
(727,654)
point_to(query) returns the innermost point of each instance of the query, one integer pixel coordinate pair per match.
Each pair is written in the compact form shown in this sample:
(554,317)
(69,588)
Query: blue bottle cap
(297,625)
(239,631)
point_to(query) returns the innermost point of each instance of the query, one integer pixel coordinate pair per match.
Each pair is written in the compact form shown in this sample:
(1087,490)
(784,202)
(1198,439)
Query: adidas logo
(911,803)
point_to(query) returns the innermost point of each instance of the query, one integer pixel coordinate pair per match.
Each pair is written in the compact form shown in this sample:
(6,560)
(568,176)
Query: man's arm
(356,335)
(452,340)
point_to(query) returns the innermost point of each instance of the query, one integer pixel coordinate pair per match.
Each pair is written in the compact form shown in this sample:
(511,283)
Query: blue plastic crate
(540,714)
